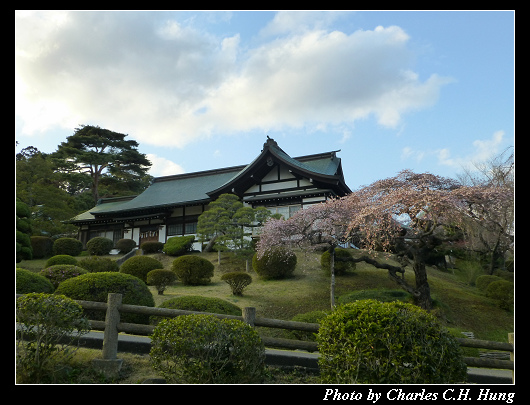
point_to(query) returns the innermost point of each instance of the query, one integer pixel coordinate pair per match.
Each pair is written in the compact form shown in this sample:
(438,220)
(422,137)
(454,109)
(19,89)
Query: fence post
(249,315)
(110,365)
(511,339)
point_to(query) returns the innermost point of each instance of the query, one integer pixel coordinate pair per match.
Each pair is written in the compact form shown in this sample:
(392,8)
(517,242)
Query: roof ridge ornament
(270,142)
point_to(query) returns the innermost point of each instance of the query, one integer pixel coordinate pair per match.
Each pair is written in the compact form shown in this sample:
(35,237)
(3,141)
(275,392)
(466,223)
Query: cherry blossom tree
(408,215)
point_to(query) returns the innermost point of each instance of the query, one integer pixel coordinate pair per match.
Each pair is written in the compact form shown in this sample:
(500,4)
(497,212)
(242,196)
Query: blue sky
(428,91)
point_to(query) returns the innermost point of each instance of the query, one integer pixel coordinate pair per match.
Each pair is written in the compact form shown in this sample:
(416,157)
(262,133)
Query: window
(174,229)
(191,227)
(285,211)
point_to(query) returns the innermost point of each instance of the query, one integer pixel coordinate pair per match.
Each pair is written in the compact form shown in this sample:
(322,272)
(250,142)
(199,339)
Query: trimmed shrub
(42,246)
(237,281)
(201,349)
(139,266)
(502,291)
(67,246)
(151,247)
(178,245)
(309,317)
(161,278)
(28,282)
(96,287)
(60,272)
(192,270)
(482,282)
(277,264)
(198,304)
(99,246)
(61,259)
(387,343)
(125,245)
(48,326)
(343,262)
(95,264)
(202,304)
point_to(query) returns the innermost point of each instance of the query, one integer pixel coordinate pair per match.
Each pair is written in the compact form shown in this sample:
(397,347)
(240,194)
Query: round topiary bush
(343,262)
(202,304)
(139,266)
(151,247)
(482,282)
(125,245)
(42,246)
(502,291)
(61,272)
(178,245)
(95,264)
(201,349)
(193,270)
(276,264)
(61,259)
(28,282)
(99,246)
(237,281)
(97,286)
(161,279)
(309,317)
(387,343)
(67,246)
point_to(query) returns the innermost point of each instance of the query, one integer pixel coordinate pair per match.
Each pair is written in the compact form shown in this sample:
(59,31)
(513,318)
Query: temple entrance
(148,234)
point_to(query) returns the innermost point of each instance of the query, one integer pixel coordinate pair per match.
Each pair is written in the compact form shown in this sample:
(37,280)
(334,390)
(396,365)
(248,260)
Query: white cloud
(168,84)
(482,150)
(163,167)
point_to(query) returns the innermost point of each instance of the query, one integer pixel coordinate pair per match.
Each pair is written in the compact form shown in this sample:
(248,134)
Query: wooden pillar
(511,339)
(110,365)
(249,315)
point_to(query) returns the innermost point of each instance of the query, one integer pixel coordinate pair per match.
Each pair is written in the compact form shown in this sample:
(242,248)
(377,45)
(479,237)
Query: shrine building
(171,205)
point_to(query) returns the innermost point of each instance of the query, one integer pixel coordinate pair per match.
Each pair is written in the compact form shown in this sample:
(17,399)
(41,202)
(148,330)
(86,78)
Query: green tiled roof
(194,188)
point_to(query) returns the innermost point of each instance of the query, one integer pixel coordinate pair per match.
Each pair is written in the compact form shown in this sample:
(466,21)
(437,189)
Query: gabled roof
(323,168)
(168,192)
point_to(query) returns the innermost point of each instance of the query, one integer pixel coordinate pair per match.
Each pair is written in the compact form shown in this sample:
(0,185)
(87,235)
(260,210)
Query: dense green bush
(48,327)
(61,259)
(60,272)
(201,349)
(309,317)
(193,270)
(202,304)
(125,245)
(95,264)
(97,286)
(67,246)
(343,262)
(24,249)
(482,282)
(42,246)
(178,245)
(99,246)
(151,247)
(28,282)
(277,264)
(139,266)
(387,343)
(237,281)
(502,291)
(161,279)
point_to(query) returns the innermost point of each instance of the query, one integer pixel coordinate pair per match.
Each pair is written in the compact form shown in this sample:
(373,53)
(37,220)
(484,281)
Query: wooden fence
(112,326)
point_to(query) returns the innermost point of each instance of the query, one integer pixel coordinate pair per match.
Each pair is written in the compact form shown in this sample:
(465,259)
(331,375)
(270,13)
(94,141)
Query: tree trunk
(332,270)
(422,292)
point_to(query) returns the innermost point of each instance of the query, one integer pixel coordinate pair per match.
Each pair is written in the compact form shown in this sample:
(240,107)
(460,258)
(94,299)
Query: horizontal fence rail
(250,318)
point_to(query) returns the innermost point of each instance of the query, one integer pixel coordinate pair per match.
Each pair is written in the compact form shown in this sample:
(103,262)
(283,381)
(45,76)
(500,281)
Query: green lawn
(457,304)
